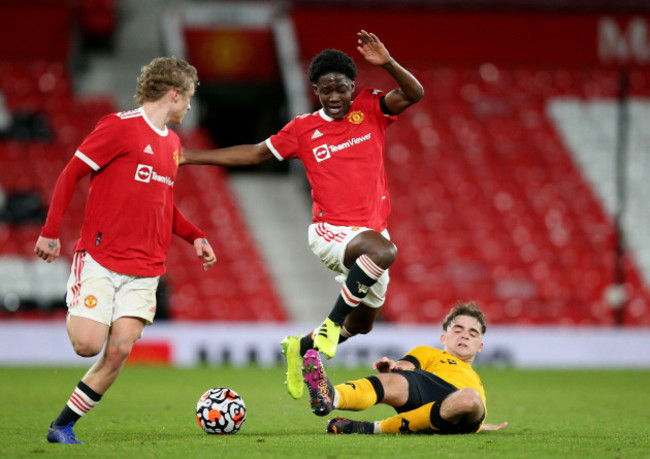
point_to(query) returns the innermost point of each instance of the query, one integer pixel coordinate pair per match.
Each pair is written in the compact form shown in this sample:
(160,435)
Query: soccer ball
(221,411)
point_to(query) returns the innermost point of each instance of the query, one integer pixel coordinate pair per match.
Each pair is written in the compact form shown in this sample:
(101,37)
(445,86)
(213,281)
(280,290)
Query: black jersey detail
(413,360)
(384,108)
(379,388)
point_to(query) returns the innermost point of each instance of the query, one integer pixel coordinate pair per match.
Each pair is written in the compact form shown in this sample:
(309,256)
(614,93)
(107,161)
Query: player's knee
(385,255)
(468,402)
(122,349)
(85,348)
(460,412)
(379,249)
(117,353)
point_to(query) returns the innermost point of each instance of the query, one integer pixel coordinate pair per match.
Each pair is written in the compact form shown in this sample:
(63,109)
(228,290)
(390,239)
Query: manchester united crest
(90,301)
(355,117)
(177,157)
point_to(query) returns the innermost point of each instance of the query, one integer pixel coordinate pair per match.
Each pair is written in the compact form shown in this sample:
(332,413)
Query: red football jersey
(128,221)
(344,161)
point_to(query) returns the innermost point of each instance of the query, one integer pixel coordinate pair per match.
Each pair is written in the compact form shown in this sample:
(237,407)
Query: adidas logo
(317,134)
(148,149)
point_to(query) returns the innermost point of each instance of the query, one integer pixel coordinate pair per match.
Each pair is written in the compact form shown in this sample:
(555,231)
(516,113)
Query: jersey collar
(162,133)
(324,115)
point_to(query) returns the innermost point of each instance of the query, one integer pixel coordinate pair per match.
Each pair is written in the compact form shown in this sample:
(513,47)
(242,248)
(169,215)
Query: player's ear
(442,339)
(352,87)
(315,88)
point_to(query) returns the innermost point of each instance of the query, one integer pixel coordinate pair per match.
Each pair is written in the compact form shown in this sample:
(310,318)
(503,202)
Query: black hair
(331,60)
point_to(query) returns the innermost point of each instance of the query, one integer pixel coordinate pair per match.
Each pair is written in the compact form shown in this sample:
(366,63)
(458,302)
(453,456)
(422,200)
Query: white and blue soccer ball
(221,411)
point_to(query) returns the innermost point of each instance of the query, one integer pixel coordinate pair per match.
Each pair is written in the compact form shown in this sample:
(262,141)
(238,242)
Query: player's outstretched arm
(386,365)
(48,246)
(239,155)
(410,90)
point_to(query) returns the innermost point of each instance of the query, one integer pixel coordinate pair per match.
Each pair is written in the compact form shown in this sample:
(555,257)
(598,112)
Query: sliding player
(433,391)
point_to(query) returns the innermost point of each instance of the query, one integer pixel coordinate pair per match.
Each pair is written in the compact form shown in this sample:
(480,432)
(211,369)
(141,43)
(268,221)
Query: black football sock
(363,275)
(306,343)
(345,335)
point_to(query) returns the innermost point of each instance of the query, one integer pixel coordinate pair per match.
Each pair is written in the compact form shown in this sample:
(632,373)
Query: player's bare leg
(361,320)
(463,406)
(124,332)
(88,337)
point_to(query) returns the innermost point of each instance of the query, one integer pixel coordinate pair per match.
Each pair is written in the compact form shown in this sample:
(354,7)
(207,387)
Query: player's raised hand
(204,252)
(384,365)
(47,249)
(372,49)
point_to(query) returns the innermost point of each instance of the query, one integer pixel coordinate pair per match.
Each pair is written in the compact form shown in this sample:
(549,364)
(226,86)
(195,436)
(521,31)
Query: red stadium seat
(498,190)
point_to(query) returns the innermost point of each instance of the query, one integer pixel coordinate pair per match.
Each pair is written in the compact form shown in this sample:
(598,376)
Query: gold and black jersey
(447,367)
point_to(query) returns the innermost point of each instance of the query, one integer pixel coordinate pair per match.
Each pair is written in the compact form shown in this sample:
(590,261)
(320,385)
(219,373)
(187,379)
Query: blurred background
(520,181)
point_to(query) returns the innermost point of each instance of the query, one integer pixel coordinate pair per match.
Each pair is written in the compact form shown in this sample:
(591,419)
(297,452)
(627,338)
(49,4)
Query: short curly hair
(163,74)
(465,309)
(332,60)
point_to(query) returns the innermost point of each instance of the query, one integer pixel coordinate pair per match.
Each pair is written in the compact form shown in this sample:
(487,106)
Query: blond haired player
(432,390)
(132,159)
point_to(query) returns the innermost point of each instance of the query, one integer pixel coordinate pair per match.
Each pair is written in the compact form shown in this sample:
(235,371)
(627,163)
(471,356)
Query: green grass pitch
(149,412)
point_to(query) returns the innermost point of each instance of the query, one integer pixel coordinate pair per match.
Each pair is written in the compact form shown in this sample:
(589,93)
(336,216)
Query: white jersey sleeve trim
(93,165)
(273,150)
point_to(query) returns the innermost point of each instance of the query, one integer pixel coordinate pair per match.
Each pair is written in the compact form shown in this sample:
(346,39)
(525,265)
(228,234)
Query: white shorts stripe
(77,267)
(328,235)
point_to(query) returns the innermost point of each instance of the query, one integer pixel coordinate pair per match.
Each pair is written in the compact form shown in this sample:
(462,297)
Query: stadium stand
(47,121)
(490,203)
(491,200)
(238,287)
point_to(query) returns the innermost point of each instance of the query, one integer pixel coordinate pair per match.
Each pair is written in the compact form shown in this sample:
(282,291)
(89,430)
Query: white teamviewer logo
(146,174)
(323,152)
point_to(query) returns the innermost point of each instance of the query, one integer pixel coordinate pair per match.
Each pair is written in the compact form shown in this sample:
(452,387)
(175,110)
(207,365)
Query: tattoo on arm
(51,245)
